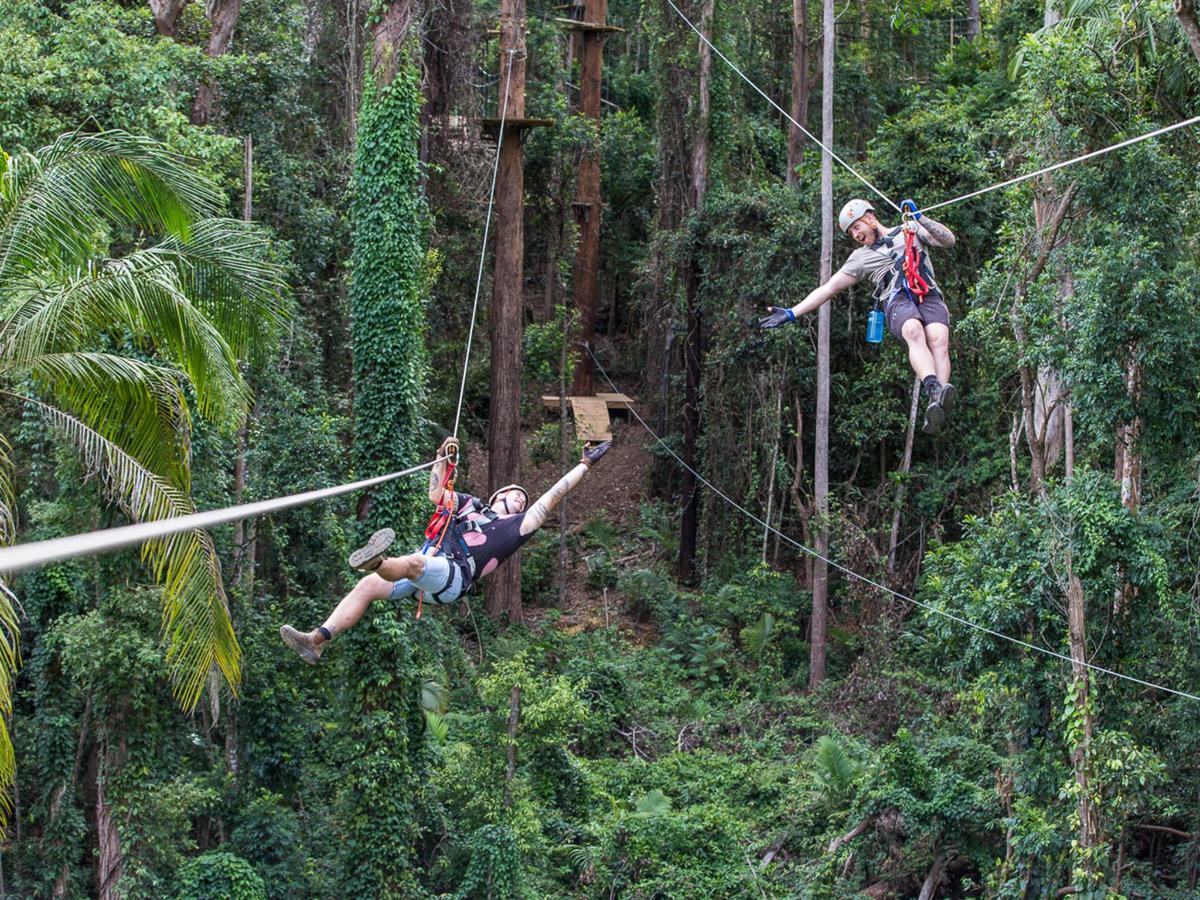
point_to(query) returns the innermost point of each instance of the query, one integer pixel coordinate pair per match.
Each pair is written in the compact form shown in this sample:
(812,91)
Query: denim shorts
(443,577)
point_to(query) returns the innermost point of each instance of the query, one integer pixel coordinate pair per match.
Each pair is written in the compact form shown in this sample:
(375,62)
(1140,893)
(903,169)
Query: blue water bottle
(875,326)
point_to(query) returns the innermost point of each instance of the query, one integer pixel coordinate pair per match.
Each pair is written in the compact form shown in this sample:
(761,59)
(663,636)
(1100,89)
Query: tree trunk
(816,672)
(1129,453)
(109,860)
(1088,825)
(588,207)
(933,879)
(902,487)
(514,720)
(1185,11)
(224,20)
(800,86)
(166,15)
(972,20)
(504,425)
(694,342)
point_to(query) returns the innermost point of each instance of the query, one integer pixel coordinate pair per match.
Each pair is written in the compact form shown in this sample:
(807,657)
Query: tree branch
(851,834)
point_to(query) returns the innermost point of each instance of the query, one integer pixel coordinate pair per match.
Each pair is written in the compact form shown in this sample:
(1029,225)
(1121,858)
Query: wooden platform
(592,422)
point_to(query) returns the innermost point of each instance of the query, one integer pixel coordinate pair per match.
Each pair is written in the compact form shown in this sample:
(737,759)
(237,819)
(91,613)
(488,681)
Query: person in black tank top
(481,536)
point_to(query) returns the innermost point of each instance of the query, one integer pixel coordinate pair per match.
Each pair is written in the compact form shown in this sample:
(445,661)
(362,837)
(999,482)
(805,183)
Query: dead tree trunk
(902,487)
(816,671)
(588,207)
(1088,822)
(801,86)
(694,343)
(504,425)
(224,20)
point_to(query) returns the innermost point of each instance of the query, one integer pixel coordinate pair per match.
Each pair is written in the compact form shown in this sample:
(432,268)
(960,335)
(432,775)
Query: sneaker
(302,643)
(935,417)
(947,398)
(368,557)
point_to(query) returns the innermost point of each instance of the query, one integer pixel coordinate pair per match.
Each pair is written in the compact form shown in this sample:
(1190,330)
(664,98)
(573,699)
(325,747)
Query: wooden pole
(588,206)
(504,426)
(816,671)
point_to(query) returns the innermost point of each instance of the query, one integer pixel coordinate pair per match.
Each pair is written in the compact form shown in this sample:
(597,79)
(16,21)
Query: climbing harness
(914,283)
(864,579)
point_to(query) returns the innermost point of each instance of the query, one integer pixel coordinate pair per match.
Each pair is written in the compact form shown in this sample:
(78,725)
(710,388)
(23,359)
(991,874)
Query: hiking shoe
(302,643)
(935,417)
(368,557)
(947,397)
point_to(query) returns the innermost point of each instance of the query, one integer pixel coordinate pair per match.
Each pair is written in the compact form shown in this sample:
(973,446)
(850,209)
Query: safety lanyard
(916,284)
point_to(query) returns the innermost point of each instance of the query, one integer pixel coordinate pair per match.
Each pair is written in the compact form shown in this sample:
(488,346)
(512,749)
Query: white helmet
(852,212)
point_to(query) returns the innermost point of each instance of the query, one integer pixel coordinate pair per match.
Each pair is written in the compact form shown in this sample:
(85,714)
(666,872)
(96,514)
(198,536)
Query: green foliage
(495,869)
(219,874)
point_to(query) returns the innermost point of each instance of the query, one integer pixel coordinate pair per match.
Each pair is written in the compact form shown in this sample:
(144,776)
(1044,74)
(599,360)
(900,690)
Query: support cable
(1062,165)
(849,168)
(38,553)
(487,224)
(933,609)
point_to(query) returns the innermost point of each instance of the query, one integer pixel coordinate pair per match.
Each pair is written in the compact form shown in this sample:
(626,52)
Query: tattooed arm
(540,511)
(938,234)
(438,472)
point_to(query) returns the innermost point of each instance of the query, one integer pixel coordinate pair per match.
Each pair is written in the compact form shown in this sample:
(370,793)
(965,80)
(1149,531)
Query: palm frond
(138,406)
(226,270)
(139,292)
(10,661)
(196,626)
(54,201)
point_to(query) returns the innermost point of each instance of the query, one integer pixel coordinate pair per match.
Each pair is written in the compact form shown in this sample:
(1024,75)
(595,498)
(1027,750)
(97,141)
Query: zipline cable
(849,168)
(1062,165)
(933,609)
(26,556)
(487,224)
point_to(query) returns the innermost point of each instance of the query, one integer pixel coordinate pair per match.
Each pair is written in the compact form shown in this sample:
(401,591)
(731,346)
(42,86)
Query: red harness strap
(917,285)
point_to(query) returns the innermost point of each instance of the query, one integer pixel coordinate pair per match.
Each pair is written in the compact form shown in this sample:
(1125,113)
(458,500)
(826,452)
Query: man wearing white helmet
(915,309)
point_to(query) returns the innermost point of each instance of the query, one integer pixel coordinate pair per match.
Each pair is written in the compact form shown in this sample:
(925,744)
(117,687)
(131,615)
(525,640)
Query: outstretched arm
(780,315)
(540,511)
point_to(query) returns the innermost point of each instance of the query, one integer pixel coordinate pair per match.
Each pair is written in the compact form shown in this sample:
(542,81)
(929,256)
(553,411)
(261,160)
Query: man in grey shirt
(922,321)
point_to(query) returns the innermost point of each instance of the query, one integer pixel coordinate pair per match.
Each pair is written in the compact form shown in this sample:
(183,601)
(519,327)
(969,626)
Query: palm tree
(112,240)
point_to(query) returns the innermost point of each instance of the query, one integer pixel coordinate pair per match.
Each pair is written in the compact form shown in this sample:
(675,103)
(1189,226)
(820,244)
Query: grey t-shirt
(883,261)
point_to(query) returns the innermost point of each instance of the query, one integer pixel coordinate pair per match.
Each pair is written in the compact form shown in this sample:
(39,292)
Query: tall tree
(388,215)
(693,348)
(588,207)
(816,670)
(224,15)
(801,86)
(166,15)
(504,422)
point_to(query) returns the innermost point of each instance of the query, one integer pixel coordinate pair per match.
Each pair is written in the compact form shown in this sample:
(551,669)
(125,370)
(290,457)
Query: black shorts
(931,310)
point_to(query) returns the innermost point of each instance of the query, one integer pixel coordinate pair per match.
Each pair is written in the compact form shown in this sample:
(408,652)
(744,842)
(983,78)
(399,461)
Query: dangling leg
(308,644)
(937,336)
(921,359)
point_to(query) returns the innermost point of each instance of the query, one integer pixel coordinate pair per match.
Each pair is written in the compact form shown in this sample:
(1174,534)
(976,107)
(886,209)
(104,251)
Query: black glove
(780,315)
(591,454)
(910,206)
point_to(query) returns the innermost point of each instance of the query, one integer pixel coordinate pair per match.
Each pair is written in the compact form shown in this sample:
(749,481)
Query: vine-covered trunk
(382,715)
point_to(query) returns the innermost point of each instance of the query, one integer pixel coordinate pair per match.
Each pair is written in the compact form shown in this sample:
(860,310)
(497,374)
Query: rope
(26,556)
(725,59)
(1062,165)
(487,224)
(933,609)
